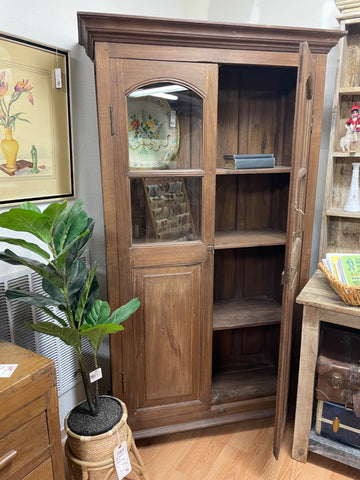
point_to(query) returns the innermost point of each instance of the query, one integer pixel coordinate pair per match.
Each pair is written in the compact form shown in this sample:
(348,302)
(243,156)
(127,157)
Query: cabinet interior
(255,115)
(256,111)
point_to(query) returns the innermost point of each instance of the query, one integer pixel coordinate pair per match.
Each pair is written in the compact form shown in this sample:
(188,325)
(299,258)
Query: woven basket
(349,294)
(95,454)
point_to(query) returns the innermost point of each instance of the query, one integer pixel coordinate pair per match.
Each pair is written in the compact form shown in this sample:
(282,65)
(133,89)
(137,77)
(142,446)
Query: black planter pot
(81,421)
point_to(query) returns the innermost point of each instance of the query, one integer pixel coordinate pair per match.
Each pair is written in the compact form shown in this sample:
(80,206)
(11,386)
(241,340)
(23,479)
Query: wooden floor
(241,451)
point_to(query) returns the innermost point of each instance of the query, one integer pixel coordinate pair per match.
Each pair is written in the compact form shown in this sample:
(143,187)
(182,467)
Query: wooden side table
(321,304)
(30,443)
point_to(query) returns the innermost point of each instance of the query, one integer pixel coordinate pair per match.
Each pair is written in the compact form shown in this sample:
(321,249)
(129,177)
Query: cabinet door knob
(7,458)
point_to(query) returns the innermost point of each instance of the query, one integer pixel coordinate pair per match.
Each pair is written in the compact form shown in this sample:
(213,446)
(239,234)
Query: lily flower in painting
(7,119)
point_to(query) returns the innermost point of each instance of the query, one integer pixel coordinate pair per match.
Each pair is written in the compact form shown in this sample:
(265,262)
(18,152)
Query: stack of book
(249,160)
(345,267)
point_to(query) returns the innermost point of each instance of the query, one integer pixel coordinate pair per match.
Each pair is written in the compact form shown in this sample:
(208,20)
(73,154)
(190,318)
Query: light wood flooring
(241,451)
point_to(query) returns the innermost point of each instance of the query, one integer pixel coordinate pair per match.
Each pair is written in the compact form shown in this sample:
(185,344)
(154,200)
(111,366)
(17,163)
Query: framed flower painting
(36,161)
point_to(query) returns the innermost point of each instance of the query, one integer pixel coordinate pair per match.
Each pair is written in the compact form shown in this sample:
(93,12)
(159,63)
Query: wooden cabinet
(341,229)
(211,341)
(30,444)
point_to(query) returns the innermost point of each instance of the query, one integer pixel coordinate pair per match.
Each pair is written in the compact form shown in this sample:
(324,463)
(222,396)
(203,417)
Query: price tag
(7,369)
(58,81)
(122,461)
(95,375)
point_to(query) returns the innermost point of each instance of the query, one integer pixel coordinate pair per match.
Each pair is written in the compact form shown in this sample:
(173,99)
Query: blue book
(249,155)
(237,162)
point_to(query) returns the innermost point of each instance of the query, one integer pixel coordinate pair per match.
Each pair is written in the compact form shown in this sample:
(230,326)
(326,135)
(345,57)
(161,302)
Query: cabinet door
(163,160)
(295,228)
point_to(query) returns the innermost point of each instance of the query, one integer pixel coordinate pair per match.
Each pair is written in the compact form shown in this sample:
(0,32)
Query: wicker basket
(348,293)
(94,454)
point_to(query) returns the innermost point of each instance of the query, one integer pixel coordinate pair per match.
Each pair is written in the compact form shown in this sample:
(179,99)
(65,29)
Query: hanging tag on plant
(95,375)
(122,461)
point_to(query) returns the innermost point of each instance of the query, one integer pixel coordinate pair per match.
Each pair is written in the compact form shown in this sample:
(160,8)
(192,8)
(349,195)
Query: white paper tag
(58,82)
(95,375)
(122,461)
(7,369)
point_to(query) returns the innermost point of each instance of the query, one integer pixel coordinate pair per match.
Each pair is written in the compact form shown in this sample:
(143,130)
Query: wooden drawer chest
(30,443)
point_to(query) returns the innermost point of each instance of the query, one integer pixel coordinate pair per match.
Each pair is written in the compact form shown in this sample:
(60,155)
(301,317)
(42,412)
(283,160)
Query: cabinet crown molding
(103,27)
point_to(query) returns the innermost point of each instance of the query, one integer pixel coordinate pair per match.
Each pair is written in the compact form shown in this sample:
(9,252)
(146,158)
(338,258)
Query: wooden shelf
(249,238)
(247,312)
(247,171)
(349,155)
(239,385)
(339,212)
(349,91)
(145,173)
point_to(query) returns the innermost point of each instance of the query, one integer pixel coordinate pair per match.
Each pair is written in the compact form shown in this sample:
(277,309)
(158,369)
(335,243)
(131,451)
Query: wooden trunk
(338,423)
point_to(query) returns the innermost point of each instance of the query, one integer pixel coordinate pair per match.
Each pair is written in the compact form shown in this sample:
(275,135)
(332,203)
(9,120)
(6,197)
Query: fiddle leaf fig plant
(70,289)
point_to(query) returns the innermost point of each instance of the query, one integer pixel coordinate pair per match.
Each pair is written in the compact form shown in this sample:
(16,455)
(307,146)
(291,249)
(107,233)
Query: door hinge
(284,277)
(112,131)
(123,381)
(210,249)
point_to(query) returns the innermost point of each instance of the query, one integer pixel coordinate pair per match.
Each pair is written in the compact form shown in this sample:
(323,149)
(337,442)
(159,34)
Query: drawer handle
(7,458)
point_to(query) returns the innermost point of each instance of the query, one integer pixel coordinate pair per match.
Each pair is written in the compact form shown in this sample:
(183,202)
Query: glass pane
(166,209)
(165,124)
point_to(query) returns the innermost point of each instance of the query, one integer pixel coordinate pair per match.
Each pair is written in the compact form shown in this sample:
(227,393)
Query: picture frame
(35,115)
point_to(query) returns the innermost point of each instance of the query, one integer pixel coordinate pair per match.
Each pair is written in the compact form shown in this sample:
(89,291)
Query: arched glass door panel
(165,130)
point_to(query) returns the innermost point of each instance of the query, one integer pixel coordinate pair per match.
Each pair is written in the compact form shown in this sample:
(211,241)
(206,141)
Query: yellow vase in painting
(10,148)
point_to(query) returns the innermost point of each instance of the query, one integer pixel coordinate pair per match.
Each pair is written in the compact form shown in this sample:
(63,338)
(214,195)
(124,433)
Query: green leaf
(97,333)
(28,219)
(71,223)
(46,271)
(68,335)
(76,283)
(93,293)
(84,296)
(34,299)
(52,291)
(124,312)
(33,247)
(54,210)
(98,314)
(61,258)
(37,300)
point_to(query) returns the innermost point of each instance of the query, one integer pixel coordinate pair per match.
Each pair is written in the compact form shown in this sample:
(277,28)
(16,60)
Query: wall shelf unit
(340,230)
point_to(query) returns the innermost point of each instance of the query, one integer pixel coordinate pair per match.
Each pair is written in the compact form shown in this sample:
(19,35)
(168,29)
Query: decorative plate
(153,131)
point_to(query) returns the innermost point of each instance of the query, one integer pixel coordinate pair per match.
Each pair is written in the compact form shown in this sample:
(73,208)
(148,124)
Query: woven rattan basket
(94,454)
(348,293)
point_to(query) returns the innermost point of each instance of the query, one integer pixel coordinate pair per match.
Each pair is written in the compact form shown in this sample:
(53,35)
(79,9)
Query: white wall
(55,24)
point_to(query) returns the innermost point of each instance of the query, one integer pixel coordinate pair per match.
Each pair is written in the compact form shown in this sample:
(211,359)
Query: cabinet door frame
(129,259)
(295,229)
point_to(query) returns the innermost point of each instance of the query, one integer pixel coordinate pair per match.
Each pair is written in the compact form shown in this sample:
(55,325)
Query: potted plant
(70,297)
